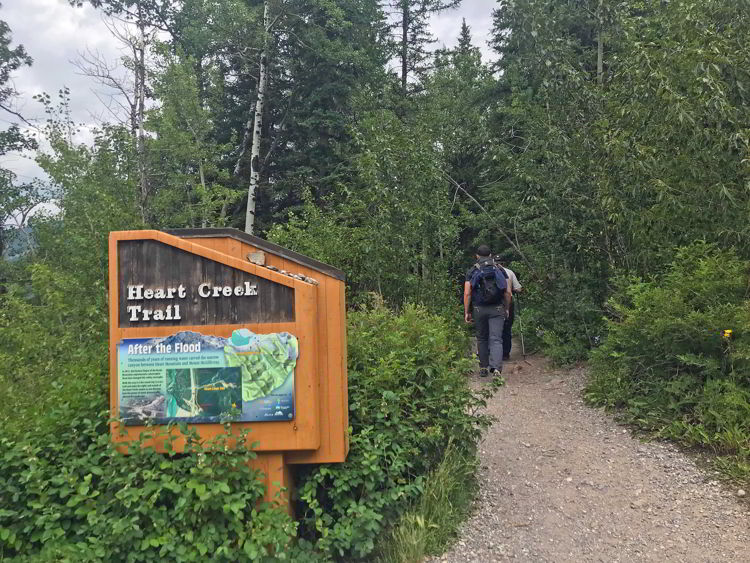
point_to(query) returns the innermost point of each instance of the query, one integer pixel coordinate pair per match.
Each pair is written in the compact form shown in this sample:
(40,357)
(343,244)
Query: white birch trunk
(404,45)
(600,47)
(258,125)
(140,85)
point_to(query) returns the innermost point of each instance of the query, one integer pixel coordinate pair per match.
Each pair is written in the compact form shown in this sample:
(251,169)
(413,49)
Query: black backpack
(488,283)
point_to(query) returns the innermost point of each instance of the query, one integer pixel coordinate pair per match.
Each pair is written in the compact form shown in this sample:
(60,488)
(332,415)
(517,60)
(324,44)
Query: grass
(429,526)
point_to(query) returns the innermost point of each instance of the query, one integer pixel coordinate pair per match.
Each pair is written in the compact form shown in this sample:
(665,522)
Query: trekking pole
(520,327)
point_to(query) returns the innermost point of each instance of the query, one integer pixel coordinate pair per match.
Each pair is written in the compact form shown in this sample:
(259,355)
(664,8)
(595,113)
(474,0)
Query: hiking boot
(494,372)
(483,372)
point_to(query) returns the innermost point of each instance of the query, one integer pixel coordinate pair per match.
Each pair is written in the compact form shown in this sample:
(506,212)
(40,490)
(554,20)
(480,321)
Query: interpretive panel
(197,378)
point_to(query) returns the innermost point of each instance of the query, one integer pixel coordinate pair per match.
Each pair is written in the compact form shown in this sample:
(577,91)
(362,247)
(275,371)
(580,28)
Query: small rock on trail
(562,482)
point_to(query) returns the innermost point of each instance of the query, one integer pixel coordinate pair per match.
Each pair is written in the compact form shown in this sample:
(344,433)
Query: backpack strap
(476,274)
(500,278)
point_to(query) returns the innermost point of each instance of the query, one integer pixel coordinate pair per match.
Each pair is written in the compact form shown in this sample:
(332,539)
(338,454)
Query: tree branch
(513,243)
(18,115)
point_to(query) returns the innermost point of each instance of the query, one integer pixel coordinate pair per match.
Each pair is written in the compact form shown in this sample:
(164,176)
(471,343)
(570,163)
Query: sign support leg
(277,478)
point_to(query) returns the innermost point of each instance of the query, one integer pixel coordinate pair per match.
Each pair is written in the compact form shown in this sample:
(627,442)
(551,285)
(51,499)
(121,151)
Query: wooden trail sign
(200,334)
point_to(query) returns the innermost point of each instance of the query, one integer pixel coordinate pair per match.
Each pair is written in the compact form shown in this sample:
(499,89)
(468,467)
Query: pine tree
(337,61)
(411,27)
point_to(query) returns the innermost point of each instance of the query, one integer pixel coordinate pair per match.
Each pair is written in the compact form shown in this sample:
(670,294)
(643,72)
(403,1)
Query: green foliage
(53,349)
(328,53)
(71,496)
(16,200)
(393,231)
(95,190)
(192,189)
(53,312)
(597,169)
(429,525)
(408,400)
(11,59)
(67,494)
(412,35)
(665,361)
(608,177)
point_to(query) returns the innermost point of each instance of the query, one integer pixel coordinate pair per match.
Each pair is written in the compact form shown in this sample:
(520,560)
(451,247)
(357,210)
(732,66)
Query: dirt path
(562,482)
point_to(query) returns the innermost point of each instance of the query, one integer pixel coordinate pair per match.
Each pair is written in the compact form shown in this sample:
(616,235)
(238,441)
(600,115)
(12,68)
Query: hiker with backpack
(487,298)
(515,288)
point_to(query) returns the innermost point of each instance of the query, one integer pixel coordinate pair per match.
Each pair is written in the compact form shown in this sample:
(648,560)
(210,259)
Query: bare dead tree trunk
(122,98)
(258,124)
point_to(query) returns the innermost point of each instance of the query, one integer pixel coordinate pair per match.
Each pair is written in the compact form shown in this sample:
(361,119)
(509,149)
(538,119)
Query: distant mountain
(17,242)
(188,337)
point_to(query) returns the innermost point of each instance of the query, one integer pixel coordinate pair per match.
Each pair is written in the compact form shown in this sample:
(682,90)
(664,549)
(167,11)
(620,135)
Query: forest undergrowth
(675,360)
(66,494)
(603,153)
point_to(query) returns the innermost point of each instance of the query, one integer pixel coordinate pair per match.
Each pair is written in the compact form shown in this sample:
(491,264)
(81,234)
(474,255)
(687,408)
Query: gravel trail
(562,482)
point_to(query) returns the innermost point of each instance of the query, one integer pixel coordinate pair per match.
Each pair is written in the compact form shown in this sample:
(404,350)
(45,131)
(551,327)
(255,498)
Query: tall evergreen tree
(328,69)
(412,34)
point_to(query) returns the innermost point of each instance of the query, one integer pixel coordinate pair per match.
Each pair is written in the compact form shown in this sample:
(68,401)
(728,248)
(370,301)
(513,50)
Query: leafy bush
(665,361)
(561,314)
(379,249)
(408,399)
(53,348)
(434,520)
(67,494)
(73,497)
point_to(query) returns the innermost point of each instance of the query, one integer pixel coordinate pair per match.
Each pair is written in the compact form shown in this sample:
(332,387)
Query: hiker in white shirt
(516,288)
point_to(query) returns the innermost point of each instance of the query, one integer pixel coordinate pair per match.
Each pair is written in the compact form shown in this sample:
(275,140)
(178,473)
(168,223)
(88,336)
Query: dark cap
(483,250)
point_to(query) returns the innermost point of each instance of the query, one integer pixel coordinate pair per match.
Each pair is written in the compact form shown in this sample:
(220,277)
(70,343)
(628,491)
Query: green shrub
(67,495)
(53,349)
(434,520)
(73,497)
(561,315)
(378,253)
(665,362)
(408,399)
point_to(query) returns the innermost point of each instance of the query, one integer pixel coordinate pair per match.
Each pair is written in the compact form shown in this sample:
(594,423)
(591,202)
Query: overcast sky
(54,33)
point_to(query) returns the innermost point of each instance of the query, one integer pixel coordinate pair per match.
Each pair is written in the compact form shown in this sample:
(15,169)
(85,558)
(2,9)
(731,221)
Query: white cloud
(54,33)
(478,14)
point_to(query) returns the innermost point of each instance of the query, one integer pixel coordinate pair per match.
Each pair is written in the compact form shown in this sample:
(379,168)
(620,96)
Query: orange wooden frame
(332,343)
(302,433)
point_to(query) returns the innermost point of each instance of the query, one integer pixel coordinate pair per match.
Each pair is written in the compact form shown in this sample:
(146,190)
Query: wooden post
(277,478)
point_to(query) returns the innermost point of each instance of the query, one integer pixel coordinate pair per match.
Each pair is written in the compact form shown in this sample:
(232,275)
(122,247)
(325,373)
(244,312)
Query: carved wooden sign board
(200,335)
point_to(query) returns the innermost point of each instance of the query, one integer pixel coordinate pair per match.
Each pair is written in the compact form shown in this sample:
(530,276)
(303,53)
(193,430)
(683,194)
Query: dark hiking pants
(488,320)
(507,332)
